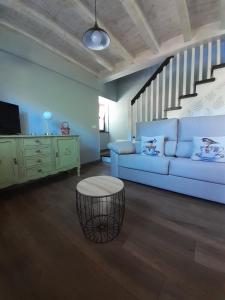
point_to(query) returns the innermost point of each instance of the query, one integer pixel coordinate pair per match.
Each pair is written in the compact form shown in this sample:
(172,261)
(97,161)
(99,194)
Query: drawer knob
(40,170)
(39,160)
(38,151)
(37,141)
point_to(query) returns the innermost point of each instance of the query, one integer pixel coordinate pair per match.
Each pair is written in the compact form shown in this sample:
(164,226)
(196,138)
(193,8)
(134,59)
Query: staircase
(190,83)
(208,98)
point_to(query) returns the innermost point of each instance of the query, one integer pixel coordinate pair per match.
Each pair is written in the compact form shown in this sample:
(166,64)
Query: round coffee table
(100,202)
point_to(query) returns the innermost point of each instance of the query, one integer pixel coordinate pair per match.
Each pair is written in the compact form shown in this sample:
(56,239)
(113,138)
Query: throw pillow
(209,149)
(153,146)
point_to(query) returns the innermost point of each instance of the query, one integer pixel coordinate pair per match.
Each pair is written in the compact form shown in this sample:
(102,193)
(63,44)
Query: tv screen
(9,119)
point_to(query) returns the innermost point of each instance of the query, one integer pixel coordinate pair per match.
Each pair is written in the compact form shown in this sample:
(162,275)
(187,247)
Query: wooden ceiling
(141,31)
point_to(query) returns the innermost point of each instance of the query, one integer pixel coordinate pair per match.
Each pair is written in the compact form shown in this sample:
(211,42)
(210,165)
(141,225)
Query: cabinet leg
(78,171)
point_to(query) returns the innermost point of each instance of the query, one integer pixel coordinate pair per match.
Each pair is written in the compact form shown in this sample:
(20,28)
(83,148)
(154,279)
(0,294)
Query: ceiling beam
(144,28)
(146,59)
(47,46)
(54,27)
(118,48)
(185,23)
(222,13)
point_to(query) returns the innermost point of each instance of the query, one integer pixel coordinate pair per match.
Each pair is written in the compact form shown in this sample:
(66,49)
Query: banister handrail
(159,70)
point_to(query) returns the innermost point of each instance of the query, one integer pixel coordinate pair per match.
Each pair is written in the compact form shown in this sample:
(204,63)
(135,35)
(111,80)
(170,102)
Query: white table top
(100,186)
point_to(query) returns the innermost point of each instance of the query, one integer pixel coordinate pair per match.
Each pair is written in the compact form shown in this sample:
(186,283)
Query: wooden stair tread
(188,96)
(205,81)
(159,119)
(173,108)
(214,67)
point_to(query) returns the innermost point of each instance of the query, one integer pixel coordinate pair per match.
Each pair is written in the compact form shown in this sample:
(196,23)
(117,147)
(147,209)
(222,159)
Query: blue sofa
(175,171)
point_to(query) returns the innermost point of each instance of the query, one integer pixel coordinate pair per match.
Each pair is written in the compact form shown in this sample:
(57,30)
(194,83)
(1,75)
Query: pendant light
(96,38)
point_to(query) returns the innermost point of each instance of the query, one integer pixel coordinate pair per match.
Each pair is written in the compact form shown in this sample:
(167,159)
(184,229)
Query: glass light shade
(96,38)
(47,115)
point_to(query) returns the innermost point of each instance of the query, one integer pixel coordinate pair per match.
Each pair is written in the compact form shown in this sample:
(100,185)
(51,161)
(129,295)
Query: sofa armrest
(122,147)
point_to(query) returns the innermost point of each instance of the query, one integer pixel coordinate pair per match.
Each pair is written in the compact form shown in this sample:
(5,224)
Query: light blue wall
(22,46)
(127,87)
(36,87)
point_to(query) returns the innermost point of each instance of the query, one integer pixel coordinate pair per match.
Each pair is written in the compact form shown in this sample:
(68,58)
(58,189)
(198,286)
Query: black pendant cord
(96,14)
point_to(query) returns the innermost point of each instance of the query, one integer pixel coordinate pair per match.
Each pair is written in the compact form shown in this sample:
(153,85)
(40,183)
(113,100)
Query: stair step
(173,108)
(159,119)
(214,67)
(205,81)
(188,96)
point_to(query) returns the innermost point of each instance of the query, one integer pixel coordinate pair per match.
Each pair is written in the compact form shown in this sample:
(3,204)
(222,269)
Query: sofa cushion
(200,126)
(200,170)
(168,128)
(184,149)
(122,147)
(189,127)
(147,163)
(169,147)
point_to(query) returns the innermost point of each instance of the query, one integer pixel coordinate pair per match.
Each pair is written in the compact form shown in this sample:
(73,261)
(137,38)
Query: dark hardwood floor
(171,246)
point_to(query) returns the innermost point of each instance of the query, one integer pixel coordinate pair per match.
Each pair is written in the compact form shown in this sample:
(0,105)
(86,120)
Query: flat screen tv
(9,119)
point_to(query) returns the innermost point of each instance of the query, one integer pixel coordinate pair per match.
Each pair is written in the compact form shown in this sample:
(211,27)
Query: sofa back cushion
(168,128)
(184,149)
(197,126)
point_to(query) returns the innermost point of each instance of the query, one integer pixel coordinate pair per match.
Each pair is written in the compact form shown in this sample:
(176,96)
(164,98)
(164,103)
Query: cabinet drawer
(38,150)
(32,161)
(38,171)
(36,141)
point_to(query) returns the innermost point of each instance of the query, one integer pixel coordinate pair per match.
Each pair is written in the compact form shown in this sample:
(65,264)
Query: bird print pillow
(153,146)
(209,149)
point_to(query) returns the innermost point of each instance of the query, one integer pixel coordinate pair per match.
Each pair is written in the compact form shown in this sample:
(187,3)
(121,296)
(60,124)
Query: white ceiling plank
(47,46)
(170,47)
(185,23)
(141,22)
(118,49)
(222,13)
(52,26)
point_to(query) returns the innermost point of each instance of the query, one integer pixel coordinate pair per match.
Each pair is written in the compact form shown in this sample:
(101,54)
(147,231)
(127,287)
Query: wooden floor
(171,246)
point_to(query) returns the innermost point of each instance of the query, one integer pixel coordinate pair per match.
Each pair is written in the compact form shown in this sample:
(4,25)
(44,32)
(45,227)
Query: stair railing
(175,79)
(142,105)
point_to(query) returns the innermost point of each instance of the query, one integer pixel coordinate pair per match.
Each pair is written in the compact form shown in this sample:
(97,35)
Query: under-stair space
(105,155)
(104,140)
(190,83)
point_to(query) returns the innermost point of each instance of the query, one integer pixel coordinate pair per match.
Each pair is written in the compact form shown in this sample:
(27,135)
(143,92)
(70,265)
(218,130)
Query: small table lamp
(47,115)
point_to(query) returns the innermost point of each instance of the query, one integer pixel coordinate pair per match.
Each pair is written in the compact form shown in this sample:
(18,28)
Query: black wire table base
(101,218)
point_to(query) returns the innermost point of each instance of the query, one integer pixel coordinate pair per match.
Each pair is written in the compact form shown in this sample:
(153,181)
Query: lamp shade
(47,115)
(96,38)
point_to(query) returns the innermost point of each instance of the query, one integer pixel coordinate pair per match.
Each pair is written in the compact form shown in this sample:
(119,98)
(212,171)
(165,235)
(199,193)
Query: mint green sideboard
(24,158)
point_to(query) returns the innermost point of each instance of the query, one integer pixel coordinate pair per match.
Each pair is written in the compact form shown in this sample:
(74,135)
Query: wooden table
(100,202)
